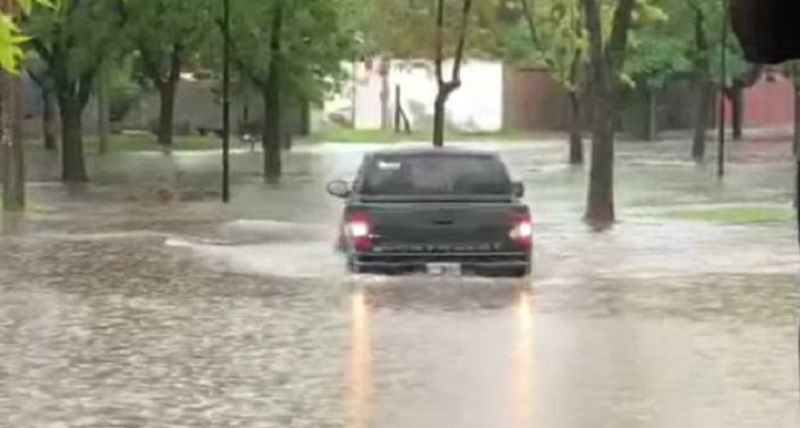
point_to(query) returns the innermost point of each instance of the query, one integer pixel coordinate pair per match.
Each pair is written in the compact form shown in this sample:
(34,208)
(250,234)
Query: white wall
(475,107)
(369,84)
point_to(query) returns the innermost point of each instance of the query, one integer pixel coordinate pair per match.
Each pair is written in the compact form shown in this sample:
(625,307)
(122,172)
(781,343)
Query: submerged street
(120,309)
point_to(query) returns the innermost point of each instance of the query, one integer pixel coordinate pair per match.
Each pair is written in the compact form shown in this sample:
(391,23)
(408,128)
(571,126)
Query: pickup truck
(434,210)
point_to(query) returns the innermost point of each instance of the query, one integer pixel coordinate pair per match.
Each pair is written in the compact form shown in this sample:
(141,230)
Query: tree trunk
(102,110)
(271,131)
(600,210)
(796,139)
(705,93)
(705,97)
(48,121)
(73,167)
(737,101)
(445,88)
(605,62)
(652,116)
(305,118)
(385,111)
(575,137)
(287,126)
(12,154)
(167,91)
(271,135)
(438,119)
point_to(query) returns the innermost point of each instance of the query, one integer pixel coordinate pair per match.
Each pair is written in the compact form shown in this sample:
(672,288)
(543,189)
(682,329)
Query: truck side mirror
(338,188)
(518,189)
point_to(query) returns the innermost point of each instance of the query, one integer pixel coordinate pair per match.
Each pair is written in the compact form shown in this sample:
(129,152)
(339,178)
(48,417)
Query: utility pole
(722,86)
(226,102)
(12,152)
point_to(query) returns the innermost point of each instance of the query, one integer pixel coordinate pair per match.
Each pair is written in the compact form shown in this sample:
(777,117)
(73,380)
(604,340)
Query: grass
(737,215)
(32,208)
(142,143)
(345,135)
(147,143)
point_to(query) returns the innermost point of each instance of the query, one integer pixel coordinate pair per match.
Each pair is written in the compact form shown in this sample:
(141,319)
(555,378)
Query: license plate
(443,268)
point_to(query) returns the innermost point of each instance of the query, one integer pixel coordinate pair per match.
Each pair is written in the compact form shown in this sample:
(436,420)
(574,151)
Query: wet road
(117,310)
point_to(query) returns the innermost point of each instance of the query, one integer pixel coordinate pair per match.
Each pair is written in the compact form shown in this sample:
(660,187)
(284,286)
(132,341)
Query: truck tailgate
(433,227)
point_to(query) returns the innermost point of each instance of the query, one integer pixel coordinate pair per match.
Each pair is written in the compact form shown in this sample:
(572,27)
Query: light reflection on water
(360,374)
(523,360)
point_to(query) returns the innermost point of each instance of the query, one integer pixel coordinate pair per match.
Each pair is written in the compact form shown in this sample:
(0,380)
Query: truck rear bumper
(490,264)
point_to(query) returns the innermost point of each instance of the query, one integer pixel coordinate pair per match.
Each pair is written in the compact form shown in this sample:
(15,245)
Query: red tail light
(359,230)
(522,232)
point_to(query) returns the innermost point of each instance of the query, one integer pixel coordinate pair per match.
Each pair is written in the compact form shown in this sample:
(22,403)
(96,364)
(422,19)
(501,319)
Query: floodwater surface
(118,309)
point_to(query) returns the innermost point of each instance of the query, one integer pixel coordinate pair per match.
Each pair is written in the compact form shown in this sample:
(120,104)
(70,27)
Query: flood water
(119,310)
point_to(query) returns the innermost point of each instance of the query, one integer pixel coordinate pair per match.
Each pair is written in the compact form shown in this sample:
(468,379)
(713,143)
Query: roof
(416,151)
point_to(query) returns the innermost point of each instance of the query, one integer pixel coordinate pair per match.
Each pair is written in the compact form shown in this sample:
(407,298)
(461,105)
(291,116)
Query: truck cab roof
(434,173)
(433,151)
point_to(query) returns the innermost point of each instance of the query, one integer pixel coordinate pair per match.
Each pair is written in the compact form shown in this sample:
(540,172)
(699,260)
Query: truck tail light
(522,232)
(359,230)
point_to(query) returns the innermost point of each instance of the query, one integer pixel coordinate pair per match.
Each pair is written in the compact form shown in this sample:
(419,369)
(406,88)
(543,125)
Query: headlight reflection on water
(360,375)
(523,360)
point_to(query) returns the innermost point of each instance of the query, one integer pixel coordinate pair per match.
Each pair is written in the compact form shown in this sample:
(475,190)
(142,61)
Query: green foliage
(315,38)
(73,39)
(405,29)
(124,90)
(11,38)
(656,60)
(166,30)
(562,39)
(791,70)
(516,47)
(558,40)
(681,30)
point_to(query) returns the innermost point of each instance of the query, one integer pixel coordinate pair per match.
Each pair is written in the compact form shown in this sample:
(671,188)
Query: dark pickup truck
(434,210)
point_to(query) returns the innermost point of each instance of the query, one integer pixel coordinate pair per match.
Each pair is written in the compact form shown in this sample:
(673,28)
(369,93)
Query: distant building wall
(534,102)
(769,103)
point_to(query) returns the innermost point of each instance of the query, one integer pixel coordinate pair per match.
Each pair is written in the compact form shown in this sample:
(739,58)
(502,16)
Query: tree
(558,37)
(792,71)
(166,33)
(606,63)
(306,43)
(744,76)
(704,21)
(12,153)
(447,87)
(37,71)
(459,29)
(11,39)
(73,39)
(655,60)
(703,77)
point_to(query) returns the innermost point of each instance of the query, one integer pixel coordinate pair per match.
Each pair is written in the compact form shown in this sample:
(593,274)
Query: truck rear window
(425,174)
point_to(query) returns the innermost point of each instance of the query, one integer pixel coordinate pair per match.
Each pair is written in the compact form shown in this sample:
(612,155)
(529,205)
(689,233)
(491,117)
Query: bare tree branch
(439,54)
(462,40)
